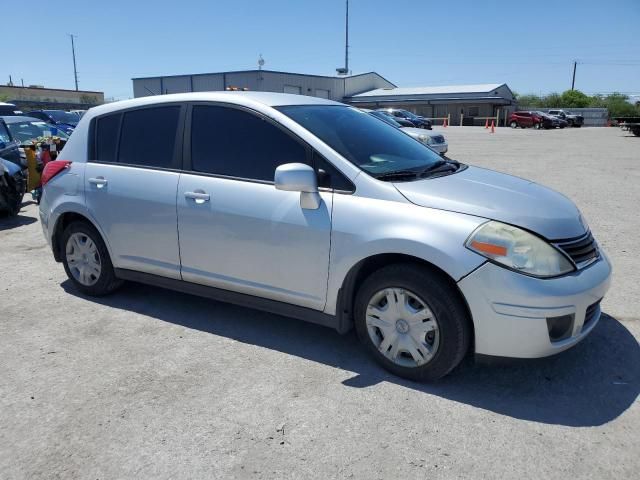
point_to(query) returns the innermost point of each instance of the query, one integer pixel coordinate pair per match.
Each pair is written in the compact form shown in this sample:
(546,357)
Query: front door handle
(98,181)
(199,196)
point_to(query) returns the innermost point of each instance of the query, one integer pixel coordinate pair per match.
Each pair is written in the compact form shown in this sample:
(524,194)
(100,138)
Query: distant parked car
(25,129)
(573,120)
(434,140)
(12,177)
(402,121)
(550,121)
(536,120)
(417,120)
(9,109)
(65,120)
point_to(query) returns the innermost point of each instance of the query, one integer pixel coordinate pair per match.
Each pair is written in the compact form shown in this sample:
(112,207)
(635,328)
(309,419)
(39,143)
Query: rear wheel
(412,322)
(513,124)
(86,260)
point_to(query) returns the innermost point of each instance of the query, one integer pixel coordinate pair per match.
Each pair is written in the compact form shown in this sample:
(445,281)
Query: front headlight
(425,139)
(518,250)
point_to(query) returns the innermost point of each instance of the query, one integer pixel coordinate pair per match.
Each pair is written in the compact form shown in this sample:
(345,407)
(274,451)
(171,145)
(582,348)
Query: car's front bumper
(510,310)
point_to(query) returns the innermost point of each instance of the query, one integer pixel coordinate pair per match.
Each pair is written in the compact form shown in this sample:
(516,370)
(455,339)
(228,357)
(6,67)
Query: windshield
(63,117)
(375,147)
(29,131)
(409,114)
(386,118)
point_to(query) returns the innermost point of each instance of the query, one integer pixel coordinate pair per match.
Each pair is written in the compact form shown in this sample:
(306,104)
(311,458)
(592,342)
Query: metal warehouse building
(333,88)
(462,102)
(371,90)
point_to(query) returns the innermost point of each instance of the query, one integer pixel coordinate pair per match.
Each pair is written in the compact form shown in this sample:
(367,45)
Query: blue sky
(530,45)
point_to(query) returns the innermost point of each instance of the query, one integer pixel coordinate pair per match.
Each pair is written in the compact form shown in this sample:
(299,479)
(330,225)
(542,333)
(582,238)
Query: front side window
(235,143)
(374,146)
(148,137)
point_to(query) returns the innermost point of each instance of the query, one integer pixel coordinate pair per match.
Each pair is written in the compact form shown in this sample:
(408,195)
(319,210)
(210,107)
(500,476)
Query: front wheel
(86,260)
(536,126)
(412,321)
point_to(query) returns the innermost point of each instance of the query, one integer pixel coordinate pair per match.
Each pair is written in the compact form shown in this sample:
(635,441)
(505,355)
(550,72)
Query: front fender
(364,227)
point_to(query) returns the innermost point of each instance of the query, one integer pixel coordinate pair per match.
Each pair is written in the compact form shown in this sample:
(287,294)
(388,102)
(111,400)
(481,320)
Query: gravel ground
(149,383)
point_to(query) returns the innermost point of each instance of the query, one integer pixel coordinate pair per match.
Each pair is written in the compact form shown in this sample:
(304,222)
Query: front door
(131,184)
(237,232)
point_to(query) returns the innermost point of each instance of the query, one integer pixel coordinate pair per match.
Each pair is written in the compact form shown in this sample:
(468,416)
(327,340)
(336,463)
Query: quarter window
(148,136)
(235,143)
(107,137)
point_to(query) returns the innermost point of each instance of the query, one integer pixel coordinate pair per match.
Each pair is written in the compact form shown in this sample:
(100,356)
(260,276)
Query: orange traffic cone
(493,129)
(444,123)
(486,123)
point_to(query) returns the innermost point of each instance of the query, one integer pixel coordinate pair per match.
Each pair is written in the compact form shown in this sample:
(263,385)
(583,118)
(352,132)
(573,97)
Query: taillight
(51,169)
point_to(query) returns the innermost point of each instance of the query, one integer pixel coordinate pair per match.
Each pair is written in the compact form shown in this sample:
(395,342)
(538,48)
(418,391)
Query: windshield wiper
(398,174)
(440,166)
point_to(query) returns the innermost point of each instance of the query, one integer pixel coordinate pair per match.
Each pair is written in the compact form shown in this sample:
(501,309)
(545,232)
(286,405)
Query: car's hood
(497,196)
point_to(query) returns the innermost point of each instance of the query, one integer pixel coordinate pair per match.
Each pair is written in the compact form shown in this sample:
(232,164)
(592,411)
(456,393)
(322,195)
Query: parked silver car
(313,209)
(435,140)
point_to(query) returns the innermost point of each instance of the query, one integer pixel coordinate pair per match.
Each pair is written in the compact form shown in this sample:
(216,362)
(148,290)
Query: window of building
(235,143)
(148,136)
(473,111)
(107,137)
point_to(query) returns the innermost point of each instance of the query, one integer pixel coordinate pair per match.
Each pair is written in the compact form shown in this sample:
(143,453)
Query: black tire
(577,125)
(513,124)
(107,281)
(451,315)
(15,194)
(536,126)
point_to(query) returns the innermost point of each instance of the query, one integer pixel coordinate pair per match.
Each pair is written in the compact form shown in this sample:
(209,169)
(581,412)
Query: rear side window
(235,143)
(148,137)
(107,129)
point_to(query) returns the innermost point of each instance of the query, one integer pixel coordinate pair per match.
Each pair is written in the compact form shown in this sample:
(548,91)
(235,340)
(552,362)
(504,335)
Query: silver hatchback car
(313,209)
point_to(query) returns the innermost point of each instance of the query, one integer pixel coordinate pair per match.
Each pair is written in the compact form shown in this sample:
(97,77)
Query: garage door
(322,93)
(291,89)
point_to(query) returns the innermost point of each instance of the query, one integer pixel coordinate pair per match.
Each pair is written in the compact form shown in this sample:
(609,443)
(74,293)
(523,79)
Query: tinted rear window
(107,137)
(148,137)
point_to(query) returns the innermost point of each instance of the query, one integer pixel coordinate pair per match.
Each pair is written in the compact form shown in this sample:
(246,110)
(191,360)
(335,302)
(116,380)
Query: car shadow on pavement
(588,385)
(7,222)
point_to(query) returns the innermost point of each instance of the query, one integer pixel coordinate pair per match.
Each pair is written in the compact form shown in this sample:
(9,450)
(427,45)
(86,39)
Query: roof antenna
(260,62)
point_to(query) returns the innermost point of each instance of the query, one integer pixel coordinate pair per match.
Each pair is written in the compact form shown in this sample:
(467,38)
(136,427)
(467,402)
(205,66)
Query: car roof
(240,98)
(19,118)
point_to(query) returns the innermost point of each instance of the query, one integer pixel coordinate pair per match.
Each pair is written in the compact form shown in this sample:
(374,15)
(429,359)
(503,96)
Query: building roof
(441,90)
(266,71)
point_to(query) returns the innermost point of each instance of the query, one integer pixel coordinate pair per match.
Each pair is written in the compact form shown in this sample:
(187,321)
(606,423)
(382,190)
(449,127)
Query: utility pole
(573,80)
(346,42)
(73,52)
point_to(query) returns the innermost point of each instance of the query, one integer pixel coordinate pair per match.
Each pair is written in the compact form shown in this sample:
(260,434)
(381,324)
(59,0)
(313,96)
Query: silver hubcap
(402,327)
(83,259)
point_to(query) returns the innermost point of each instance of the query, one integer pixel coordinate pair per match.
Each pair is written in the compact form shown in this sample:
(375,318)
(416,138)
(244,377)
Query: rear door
(237,232)
(130,186)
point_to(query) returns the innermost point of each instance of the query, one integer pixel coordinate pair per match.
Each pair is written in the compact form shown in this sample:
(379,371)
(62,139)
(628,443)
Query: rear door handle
(98,181)
(199,196)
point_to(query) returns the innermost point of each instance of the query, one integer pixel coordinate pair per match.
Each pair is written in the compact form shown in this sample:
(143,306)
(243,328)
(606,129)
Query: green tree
(4,98)
(553,100)
(574,99)
(529,100)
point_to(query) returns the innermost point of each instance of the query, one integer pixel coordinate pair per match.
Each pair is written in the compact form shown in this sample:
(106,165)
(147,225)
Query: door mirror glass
(298,177)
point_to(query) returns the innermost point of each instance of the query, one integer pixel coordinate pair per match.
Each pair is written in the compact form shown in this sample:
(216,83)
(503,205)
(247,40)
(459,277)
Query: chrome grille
(582,250)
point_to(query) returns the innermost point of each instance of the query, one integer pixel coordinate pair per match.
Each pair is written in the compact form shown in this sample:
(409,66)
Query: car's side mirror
(298,177)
